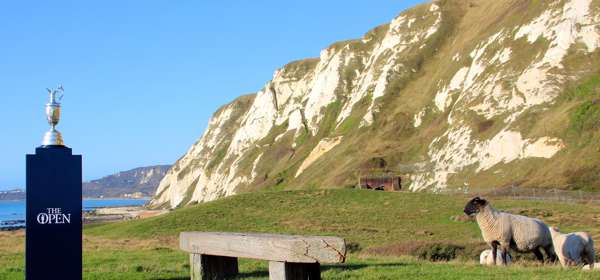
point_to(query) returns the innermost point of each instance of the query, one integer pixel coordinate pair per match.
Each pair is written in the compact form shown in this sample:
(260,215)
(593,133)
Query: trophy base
(53,138)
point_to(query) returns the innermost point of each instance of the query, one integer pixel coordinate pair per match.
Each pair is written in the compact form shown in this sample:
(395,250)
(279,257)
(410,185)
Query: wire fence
(509,192)
(521,193)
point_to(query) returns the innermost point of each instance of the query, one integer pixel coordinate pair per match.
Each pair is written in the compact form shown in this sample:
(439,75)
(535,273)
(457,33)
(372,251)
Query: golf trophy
(53,136)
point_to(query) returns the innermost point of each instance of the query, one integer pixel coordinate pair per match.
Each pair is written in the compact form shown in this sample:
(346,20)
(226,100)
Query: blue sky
(142,78)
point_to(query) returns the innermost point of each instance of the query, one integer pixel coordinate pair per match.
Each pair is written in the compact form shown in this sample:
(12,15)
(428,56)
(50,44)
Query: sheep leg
(576,260)
(550,253)
(591,256)
(538,254)
(570,262)
(504,253)
(563,262)
(494,251)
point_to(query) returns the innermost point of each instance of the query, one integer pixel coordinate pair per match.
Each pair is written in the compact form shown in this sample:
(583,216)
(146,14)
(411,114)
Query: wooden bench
(213,255)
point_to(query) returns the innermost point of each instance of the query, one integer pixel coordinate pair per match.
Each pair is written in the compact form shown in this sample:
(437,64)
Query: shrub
(429,250)
(439,252)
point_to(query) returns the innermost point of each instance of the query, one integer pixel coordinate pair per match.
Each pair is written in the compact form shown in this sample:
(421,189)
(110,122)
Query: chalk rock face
(459,93)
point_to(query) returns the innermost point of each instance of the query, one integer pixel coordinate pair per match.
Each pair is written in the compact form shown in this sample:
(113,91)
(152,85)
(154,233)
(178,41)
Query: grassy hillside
(368,218)
(364,217)
(389,235)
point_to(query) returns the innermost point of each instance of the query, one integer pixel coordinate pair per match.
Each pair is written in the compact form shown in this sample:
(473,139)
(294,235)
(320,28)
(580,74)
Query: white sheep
(596,266)
(486,257)
(508,231)
(573,249)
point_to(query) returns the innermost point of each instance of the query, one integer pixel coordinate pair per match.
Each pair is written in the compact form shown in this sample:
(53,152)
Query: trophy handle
(61,90)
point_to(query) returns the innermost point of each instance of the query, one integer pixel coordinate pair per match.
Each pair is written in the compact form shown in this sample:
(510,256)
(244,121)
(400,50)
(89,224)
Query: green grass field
(390,236)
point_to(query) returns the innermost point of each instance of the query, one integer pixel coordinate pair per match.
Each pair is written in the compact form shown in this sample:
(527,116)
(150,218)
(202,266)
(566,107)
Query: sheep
(573,249)
(486,257)
(595,266)
(508,231)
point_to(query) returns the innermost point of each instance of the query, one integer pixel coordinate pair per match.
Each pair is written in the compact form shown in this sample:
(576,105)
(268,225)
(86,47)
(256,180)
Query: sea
(12,212)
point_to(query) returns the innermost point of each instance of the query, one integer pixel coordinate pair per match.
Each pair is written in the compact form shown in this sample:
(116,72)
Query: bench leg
(294,271)
(205,267)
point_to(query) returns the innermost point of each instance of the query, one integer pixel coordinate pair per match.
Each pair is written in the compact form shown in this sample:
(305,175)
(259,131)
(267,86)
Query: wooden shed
(388,183)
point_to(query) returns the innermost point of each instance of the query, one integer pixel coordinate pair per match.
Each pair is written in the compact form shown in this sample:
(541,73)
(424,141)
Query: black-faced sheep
(508,231)
(573,249)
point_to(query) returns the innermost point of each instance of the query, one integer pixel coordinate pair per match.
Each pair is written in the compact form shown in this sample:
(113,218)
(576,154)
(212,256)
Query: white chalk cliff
(460,90)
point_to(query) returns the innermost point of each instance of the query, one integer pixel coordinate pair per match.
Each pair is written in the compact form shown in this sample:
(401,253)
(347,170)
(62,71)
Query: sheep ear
(481,201)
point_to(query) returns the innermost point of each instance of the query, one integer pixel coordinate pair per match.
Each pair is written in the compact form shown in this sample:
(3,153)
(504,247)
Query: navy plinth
(53,215)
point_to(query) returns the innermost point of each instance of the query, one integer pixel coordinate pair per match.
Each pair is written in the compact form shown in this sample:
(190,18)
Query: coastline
(12,225)
(94,210)
(120,213)
(118,198)
(95,198)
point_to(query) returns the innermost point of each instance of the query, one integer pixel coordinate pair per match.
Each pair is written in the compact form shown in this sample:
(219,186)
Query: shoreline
(11,228)
(12,225)
(107,214)
(92,213)
(119,213)
(94,198)
(117,198)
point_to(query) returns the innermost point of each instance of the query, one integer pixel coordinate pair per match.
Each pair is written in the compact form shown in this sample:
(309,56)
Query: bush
(428,250)
(353,247)
(439,252)
(585,117)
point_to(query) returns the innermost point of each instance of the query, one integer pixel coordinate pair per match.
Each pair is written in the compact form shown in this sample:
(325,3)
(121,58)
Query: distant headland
(135,183)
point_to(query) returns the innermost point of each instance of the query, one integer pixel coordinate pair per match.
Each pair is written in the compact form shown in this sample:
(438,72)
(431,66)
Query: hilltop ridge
(135,183)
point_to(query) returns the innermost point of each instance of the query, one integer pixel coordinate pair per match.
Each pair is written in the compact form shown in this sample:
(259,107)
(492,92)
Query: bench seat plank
(271,247)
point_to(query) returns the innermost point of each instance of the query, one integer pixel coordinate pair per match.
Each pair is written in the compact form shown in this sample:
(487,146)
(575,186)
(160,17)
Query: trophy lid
(53,95)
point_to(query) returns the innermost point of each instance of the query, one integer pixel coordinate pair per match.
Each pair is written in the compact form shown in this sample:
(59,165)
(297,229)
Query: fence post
(513,191)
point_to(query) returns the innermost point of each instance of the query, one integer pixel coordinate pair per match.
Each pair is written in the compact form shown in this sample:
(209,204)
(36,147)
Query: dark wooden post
(294,271)
(206,267)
